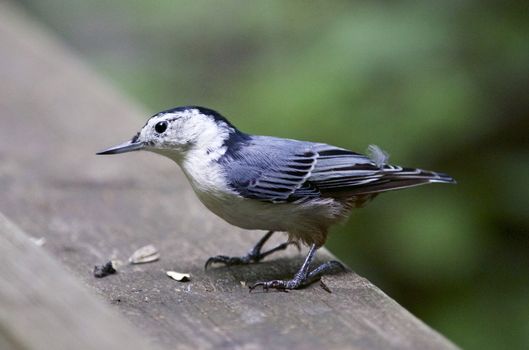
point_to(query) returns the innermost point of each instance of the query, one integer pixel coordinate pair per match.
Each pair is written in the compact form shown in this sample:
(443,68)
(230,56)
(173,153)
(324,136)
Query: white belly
(245,213)
(252,214)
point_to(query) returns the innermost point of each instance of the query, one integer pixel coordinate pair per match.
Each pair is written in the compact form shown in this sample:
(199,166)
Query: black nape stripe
(203,110)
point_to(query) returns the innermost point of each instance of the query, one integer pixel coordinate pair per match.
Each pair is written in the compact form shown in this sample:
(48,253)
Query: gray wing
(282,170)
(269,169)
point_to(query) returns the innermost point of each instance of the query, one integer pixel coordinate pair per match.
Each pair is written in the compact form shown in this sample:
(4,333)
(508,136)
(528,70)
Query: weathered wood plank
(43,307)
(55,114)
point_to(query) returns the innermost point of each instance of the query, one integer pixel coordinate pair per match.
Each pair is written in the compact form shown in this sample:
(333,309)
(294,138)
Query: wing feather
(282,170)
(270,169)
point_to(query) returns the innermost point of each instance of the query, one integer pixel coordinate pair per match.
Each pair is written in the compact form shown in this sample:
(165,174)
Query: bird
(274,184)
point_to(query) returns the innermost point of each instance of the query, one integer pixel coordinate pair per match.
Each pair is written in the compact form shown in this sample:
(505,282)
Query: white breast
(210,185)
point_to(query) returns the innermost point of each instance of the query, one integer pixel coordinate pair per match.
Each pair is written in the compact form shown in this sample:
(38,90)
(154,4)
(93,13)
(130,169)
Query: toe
(219,259)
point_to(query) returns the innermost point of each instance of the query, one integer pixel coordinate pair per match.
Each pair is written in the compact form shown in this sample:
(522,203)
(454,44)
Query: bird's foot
(254,256)
(301,279)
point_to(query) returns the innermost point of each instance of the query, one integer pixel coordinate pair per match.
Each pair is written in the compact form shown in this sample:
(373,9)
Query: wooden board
(44,307)
(55,114)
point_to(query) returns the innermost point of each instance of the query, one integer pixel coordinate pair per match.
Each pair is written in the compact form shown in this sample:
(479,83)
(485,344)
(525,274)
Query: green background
(439,85)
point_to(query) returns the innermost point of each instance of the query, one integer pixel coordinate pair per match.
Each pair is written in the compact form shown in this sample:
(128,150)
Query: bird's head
(176,131)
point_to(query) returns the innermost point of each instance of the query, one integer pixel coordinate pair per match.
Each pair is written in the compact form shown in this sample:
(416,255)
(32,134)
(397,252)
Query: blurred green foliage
(441,85)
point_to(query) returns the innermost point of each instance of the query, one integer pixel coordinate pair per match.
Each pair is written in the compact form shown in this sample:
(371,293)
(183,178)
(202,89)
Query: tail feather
(395,178)
(398,173)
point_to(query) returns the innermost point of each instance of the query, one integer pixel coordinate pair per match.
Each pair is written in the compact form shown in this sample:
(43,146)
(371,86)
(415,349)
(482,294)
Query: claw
(324,287)
(209,262)
(255,285)
(227,260)
(304,276)
(254,256)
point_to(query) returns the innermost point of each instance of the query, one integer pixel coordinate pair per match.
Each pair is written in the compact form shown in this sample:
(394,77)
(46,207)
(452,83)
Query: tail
(395,178)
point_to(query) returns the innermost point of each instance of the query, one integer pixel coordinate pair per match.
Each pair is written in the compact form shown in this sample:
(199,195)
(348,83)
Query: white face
(178,132)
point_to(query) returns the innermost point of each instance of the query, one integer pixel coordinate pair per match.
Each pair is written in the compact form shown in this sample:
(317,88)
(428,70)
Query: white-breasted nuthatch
(270,183)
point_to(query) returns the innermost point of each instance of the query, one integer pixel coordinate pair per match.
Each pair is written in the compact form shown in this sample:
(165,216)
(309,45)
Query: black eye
(160,127)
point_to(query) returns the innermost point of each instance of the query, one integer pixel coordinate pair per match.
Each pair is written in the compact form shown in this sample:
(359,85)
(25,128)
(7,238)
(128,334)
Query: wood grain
(44,307)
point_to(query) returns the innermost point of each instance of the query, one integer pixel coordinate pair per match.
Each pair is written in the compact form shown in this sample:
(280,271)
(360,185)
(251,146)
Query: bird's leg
(253,256)
(304,276)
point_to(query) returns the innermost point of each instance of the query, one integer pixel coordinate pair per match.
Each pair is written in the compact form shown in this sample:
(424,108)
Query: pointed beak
(128,146)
